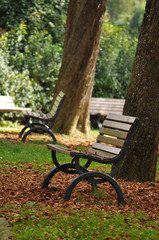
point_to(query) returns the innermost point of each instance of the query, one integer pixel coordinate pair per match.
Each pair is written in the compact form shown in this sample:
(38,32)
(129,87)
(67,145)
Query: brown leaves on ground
(23,185)
(63,139)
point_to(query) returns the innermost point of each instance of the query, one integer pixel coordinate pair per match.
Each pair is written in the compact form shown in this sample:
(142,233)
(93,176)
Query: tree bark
(81,45)
(142,100)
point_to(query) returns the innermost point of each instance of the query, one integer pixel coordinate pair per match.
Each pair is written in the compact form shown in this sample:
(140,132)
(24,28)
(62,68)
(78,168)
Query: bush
(29,75)
(31,43)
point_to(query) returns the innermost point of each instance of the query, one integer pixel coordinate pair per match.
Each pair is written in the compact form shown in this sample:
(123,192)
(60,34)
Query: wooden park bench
(110,147)
(103,106)
(7,105)
(100,107)
(40,122)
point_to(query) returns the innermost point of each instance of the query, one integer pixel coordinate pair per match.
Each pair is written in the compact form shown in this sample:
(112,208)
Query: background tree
(142,100)
(83,29)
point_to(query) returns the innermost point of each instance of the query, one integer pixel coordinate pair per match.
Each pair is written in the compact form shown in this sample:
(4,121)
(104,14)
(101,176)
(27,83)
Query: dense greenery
(115,60)
(31,46)
(31,49)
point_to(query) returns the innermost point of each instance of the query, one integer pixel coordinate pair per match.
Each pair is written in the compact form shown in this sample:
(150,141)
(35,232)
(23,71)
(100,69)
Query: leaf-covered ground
(23,184)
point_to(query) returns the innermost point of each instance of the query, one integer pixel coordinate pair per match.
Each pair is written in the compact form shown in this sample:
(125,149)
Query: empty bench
(7,105)
(100,107)
(103,106)
(39,122)
(110,147)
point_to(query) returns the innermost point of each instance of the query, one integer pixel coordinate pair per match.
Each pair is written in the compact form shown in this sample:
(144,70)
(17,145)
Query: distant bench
(100,107)
(7,105)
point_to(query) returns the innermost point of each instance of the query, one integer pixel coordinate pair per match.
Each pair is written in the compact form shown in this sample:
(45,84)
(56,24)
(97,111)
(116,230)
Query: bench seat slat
(100,153)
(13,109)
(118,125)
(59,148)
(106,148)
(110,140)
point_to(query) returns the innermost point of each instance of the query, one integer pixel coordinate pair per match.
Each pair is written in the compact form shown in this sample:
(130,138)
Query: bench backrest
(56,106)
(6,102)
(103,106)
(114,136)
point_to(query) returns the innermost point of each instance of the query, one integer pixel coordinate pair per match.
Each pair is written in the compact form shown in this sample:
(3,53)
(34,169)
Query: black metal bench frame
(42,123)
(112,125)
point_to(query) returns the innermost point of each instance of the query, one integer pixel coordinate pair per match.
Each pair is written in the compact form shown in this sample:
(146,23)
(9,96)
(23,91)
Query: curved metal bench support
(89,175)
(36,129)
(30,126)
(23,130)
(63,167)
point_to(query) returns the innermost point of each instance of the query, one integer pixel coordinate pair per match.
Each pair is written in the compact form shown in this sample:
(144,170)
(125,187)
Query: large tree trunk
(143,101)
(83,29)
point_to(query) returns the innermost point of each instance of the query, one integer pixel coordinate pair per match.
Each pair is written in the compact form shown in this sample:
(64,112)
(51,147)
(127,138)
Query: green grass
(38,155)
(33,221)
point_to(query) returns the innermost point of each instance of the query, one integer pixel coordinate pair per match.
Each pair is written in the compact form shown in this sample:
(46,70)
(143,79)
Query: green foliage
(113,70)
(126,12)
(31,50)
(37,15)
(137,15)
(120,10)
(16,84)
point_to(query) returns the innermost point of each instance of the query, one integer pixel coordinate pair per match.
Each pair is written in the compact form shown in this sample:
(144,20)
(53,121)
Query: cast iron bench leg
(88,175)
(35,129)
(66,168)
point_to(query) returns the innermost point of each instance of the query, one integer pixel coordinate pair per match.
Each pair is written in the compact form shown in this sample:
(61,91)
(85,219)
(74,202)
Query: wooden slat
(113,141)
(100,153)
(49,115)
(59,148)
(58,98)
(53,110)
(13,109)
(106,148)
(56,103)
(121,118)
(116,125)
(113,132)
(61,94)
(107,100)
